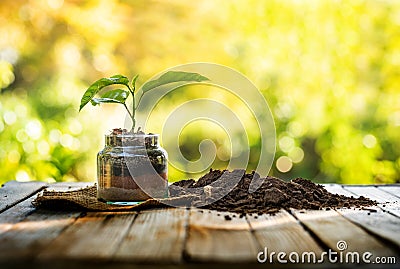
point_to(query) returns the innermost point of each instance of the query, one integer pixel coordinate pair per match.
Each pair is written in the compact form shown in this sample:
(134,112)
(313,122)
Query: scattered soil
(273,194)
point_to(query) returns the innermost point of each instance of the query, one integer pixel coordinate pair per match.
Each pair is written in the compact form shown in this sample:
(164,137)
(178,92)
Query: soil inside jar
(121,186)
(273,194)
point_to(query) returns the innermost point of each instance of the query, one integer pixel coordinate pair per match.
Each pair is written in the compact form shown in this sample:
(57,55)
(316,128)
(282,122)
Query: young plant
(119,96)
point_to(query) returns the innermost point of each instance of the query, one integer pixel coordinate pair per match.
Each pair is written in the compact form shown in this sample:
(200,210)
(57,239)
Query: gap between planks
(14,192)
(386,201)
(392,189)
(212,238)
(16,202)
(282,232)
(153,236)
(373,219)
(25,230)
(94,235)
(332,228)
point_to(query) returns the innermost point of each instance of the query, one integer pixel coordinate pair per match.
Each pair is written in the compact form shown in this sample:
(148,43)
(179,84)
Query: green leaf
(100,84)
(133,83)
(172,76)
(114,96)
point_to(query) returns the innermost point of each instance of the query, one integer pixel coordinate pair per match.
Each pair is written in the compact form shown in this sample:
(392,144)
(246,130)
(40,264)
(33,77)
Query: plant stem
(133,112)
(132,115)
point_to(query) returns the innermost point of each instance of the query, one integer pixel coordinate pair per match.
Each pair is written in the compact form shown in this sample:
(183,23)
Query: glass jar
(131,167)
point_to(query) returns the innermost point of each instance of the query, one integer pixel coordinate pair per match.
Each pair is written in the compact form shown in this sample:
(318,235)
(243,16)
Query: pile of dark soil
(273,194)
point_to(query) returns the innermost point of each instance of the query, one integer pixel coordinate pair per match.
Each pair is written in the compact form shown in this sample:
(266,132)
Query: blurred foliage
(330,71)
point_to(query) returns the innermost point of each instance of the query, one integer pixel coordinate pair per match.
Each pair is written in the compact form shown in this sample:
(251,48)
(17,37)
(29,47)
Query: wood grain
(372,219)
(22,209)
(282,232)
(338,189)
(376,221)
(90,237)
(24,239)
(68,186)
(187,237)
(16,214)
(387,201)
(14,192)
(331,227)
(373,193)
(27,229)
(155,236)
(212,238)
(392,189)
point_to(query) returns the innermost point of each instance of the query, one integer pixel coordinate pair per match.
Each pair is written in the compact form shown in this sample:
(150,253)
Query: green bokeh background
(330,71)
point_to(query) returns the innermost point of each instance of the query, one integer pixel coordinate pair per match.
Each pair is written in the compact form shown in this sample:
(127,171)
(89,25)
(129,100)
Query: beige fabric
(86,199)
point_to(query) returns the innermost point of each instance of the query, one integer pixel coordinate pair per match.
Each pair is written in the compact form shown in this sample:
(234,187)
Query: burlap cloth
(86,199)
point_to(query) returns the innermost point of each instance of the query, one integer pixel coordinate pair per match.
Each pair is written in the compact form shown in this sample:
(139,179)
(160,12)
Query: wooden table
(194,238)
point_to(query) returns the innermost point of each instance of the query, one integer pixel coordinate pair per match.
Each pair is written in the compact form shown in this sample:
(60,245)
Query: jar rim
(127,135)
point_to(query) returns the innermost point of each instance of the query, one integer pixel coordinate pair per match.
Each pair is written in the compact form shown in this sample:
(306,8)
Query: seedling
(119,96)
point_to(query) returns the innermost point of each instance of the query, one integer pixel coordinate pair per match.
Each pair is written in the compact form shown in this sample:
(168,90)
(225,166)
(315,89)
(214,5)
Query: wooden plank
(282,232)
(155,236)
(68,186)
(392,189)
(387,201)
(14,192)
(331,228)
(212,238)
(216,220)
(21,210)
(16,214)
(26,230)
(376,221)
(373,219)
(24,239)
(93,236)
(373,193)
(338,189)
